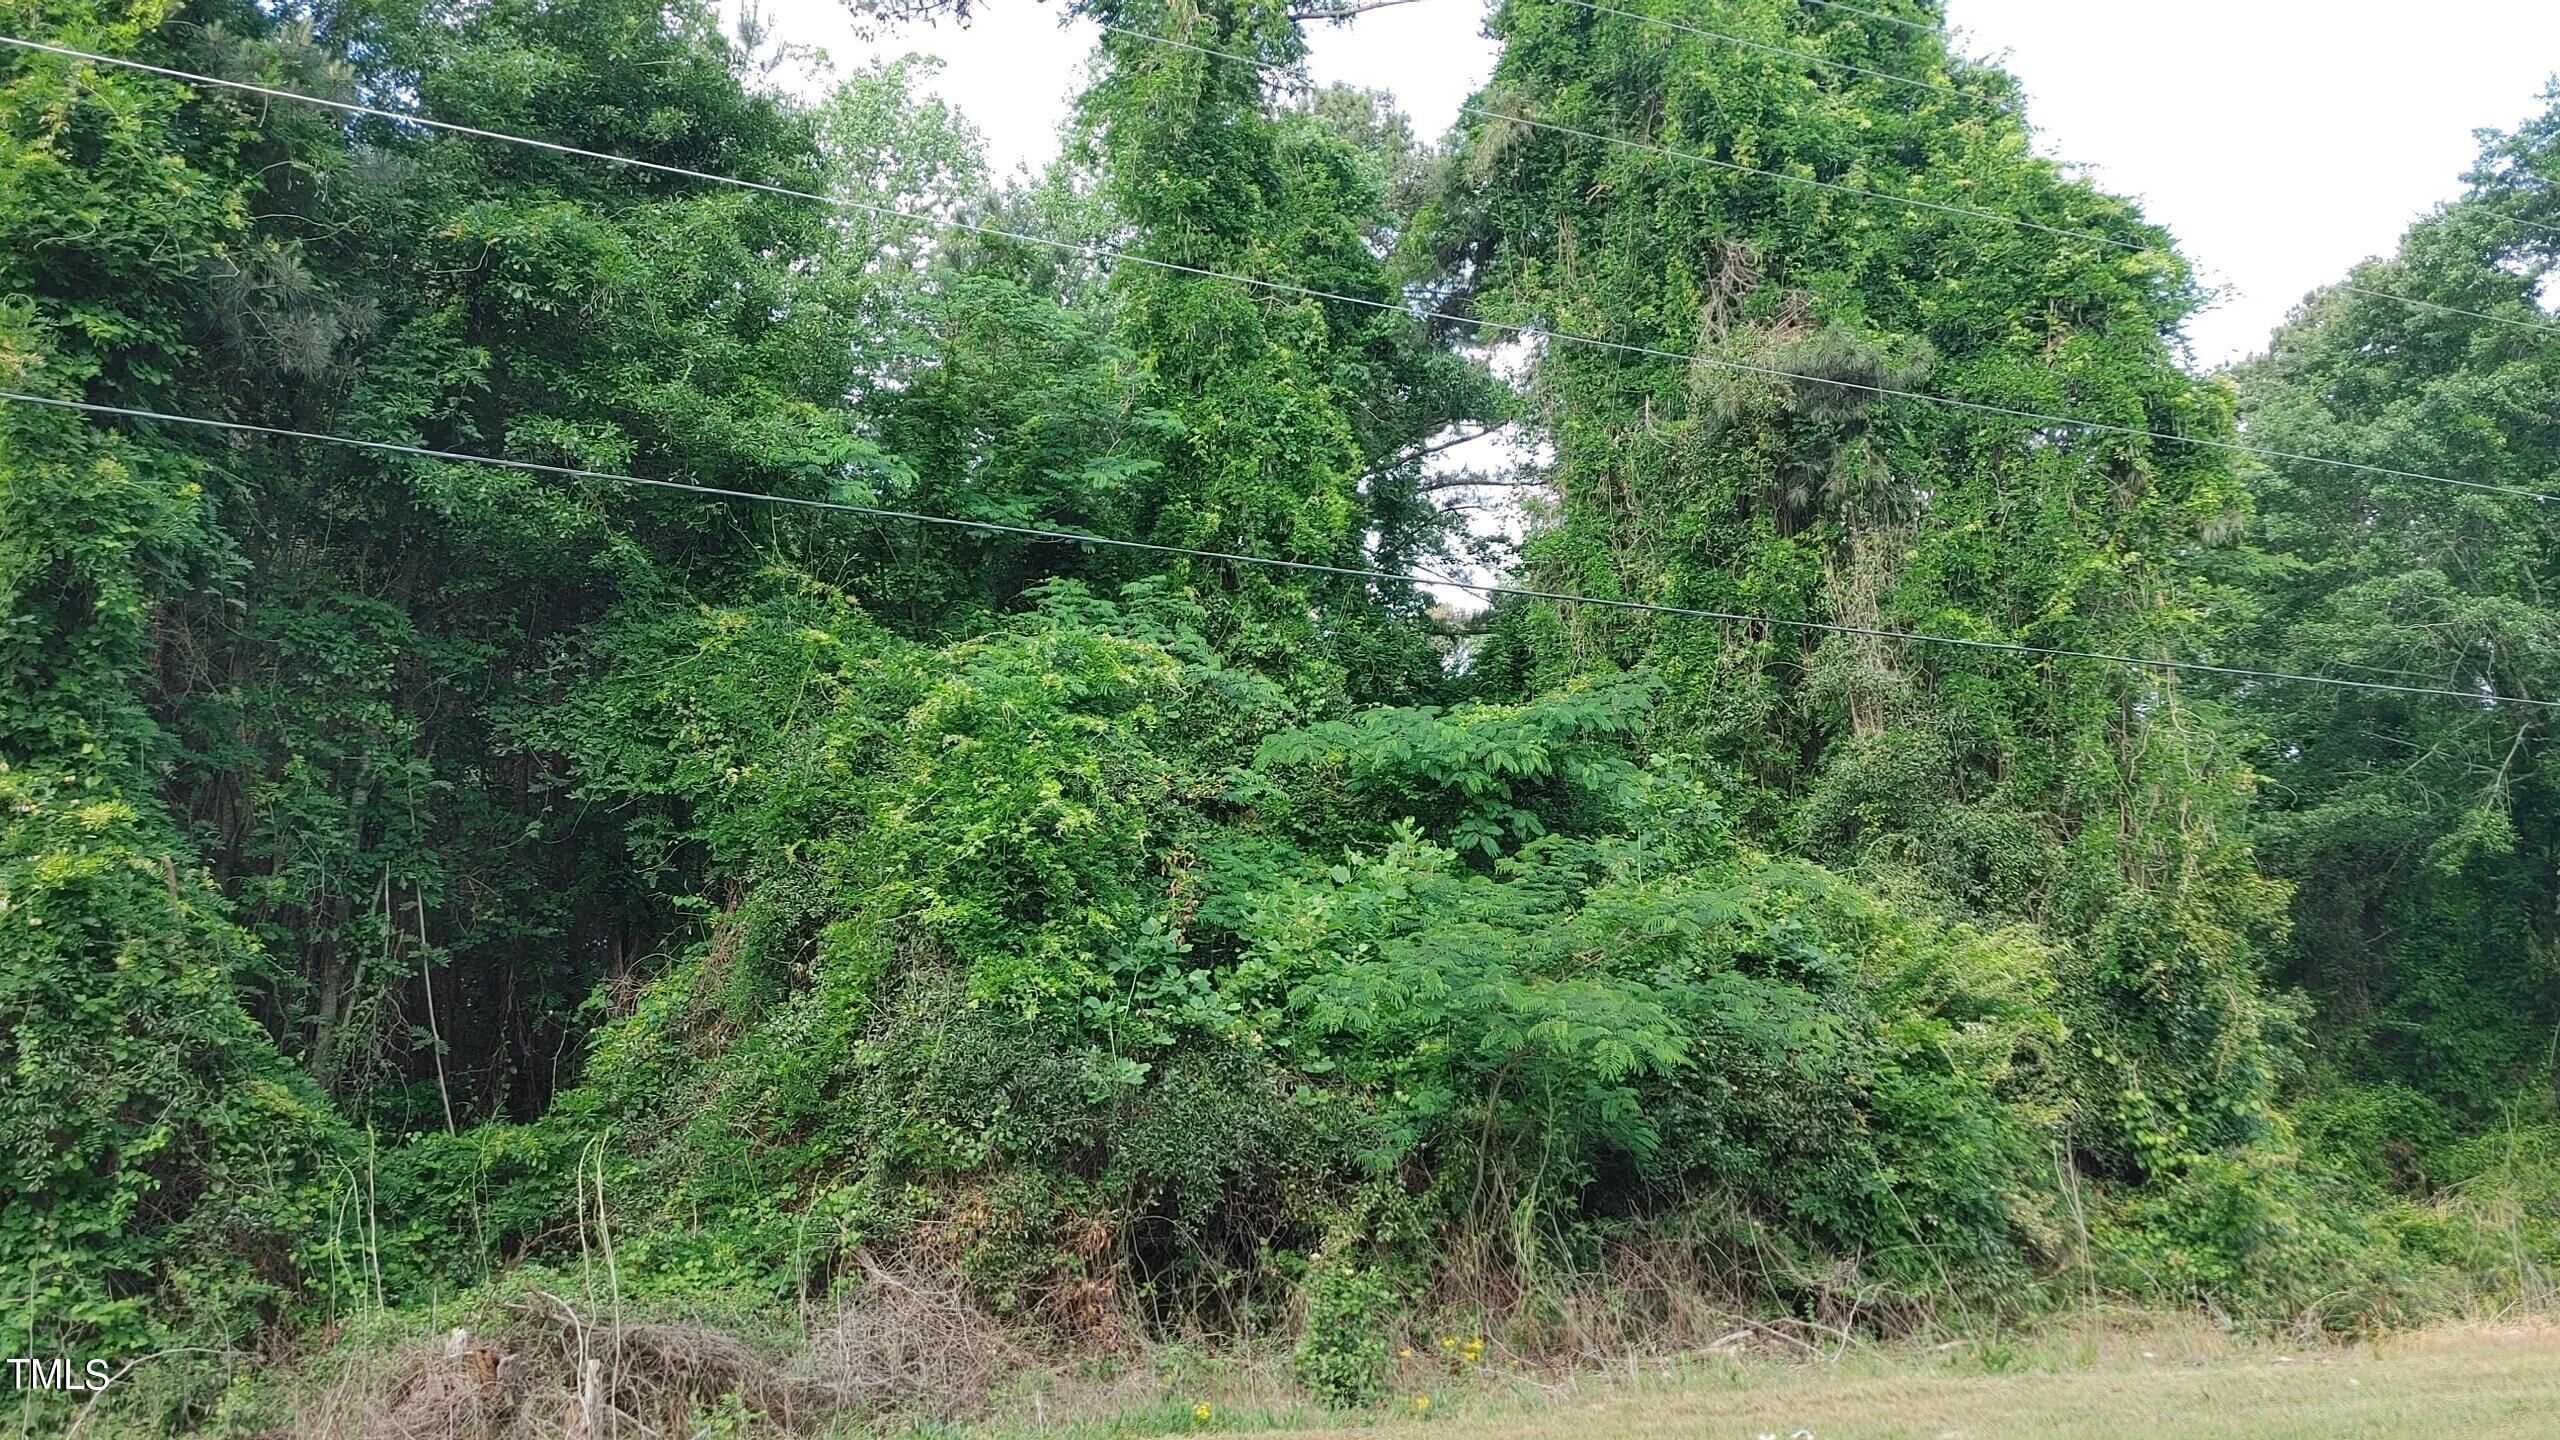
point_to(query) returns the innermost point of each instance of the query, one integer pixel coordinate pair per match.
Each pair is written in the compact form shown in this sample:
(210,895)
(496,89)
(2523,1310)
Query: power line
(1283,287)
(2414,302)
(1353,572)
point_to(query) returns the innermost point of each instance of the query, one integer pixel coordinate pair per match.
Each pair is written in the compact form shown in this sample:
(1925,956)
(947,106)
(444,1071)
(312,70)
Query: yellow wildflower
(1421,1404)
(1200,1411)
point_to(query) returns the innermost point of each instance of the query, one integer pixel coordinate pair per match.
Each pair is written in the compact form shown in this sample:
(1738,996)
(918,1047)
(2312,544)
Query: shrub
(1343,1346)
(166,1173)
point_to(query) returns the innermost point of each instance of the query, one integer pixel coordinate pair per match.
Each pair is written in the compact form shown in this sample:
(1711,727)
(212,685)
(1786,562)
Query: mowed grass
(2479,1383)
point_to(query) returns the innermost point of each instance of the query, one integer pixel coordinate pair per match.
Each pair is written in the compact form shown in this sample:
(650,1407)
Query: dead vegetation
(913,1347)
(904,1344)
(901,1346)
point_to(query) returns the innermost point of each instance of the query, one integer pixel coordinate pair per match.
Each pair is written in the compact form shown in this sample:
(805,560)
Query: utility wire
(2483,698)
(2535,224)
(1971,211)
(1282,287)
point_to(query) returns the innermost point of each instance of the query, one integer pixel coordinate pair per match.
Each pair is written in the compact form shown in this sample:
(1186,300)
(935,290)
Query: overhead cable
(1282,287)
(2480,697)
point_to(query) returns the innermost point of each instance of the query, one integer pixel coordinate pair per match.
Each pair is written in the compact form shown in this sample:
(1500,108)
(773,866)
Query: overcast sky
(2281,140)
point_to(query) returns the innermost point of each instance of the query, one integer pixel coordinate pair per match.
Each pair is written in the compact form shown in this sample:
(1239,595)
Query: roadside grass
(2479,1381)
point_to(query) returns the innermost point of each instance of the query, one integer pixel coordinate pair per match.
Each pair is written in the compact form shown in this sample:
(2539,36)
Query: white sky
(2281,140)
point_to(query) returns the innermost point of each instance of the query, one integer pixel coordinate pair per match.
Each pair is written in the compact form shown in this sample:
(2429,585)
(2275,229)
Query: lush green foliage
(2423,839)
(1155,940)
(1017,895)
(165,1172)
(2096,803)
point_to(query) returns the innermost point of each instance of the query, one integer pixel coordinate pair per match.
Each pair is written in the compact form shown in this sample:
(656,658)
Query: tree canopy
(408,863)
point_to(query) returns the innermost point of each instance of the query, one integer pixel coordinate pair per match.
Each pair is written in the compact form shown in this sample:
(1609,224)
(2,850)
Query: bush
(1344,1338)
(167,1174)
(2262,1240)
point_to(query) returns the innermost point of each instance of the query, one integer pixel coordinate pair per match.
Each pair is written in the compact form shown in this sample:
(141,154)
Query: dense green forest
(438,892)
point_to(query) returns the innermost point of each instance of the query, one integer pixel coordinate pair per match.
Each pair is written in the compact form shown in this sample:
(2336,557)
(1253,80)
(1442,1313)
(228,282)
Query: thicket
(433,890)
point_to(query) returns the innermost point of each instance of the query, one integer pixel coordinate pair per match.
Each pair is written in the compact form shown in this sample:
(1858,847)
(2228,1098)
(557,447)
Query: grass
(2482,1382)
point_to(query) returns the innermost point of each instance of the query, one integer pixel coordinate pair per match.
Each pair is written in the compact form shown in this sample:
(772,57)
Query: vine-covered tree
(436,889)
(1743,439)
(165,1170)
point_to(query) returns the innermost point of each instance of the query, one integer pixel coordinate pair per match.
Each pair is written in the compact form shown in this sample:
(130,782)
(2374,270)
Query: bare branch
(1478,482)
(1427,450)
